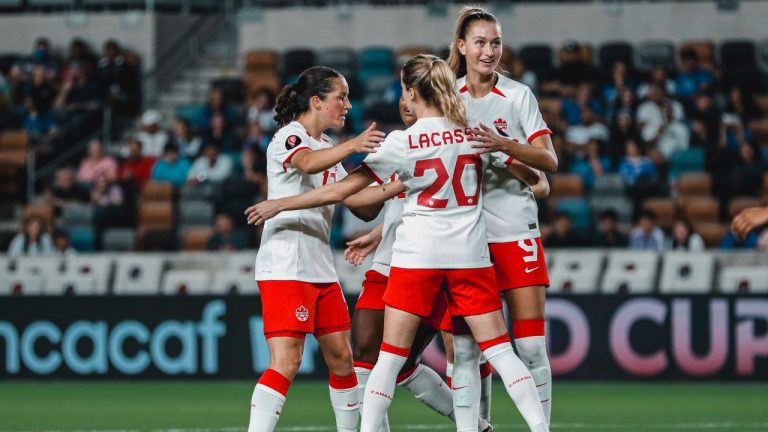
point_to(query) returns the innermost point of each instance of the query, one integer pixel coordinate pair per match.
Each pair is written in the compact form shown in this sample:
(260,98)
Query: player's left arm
(541,189)
(367,203)
(524,173)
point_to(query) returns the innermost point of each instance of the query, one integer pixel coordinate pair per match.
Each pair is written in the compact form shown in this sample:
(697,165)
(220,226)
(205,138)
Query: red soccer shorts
(519,264)
(372,295)
(469,291)
(294,308)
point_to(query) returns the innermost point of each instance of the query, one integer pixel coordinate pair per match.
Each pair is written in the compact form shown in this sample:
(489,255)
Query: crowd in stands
(654,132)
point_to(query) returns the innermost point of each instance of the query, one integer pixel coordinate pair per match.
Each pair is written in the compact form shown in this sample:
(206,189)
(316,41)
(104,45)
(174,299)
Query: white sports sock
(345,400)
(427,386)
(466,383)
(533,353)
(518,383)
(486,388)
(362,379)
(381,388)
(266,405)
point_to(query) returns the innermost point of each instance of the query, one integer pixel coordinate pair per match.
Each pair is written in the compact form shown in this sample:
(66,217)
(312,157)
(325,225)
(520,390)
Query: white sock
(466,383)
(362,379)
(266,405)
(427,386)
(533,353)
(486,388)
(518,383)
(381,388)
(345,399)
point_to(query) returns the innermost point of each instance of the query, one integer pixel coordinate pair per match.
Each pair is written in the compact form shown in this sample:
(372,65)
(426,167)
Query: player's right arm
(358,249)
(541,189)
(748,220)
(316,161)
(524,173)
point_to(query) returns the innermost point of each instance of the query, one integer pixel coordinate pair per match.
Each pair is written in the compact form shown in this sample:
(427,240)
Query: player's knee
(287,363)
(339,362)
(531,353)
(365,354)
(465,349)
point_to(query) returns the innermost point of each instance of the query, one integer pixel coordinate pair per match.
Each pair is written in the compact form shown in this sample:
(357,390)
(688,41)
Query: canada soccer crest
(302,313)
(500,124)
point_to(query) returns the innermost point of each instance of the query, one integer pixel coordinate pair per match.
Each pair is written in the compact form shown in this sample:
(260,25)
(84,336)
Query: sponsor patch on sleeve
(292,141)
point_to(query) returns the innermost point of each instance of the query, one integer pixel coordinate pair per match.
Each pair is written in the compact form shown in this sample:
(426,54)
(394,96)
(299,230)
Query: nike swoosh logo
(351,405)
(459,388)
(527,270)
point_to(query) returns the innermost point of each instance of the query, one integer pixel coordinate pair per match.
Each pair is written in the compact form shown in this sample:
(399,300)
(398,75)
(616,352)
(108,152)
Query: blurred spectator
(730,241)
(135,169)
(646,235)
(152,136)
(588,131)
(40,124)
(608,233)
(66,190)
(217,104)
(705,122)
(743,107)
(210,167)
(626,102)
(255,168)
(225,237)
(261,110)
(80,56)
(96,164)
(61,243)
(660,120)
(120,80)
(622,129)
(32,240)
(619,81)
(563,235)
(255,137)
(187,142)
(684,238)
(43,56)
(519,73)
(77,94)
(573,106)
(573,69)
(635,166)
(658,76)
(691,77)
(107,201)
(41,89)
(171,167)
(219,134)
(8,118)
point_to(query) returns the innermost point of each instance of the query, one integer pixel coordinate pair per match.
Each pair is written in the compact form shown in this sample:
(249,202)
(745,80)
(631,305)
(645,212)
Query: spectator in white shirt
(684,238)
(153,138)
(32,240)
(661,123)
(210,167)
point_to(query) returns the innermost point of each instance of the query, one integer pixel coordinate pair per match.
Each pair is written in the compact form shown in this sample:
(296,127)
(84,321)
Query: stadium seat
(76,215)
(538,59)
(657,53)
(226,283)
(664,209)
(575,272)
(687,273)
(622,206)
(295,61)
(14,139)
(630,272)
(192,114)
(377,57)
(578,210)
(375,88)
(608,185)
(98,267)
(743,280)
(612,52)
(704,48)
(738,55)
(737,204)
(261,60)
(566,185)
(82,239)
(691,160)
(205,191)
(195,282)
(710,232)
(407,52)
(694,184)
(157,191)
(232,88)
(342,59)
(256,80)
(156,214)
(16,284)
(43,211)
(701,209)
(155,238)
(195,213)
(138,274)
(196,238)
(119,239)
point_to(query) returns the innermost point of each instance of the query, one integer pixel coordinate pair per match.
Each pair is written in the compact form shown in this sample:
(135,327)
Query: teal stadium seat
(193,114)
(82,239)
(691,160)
(578,210)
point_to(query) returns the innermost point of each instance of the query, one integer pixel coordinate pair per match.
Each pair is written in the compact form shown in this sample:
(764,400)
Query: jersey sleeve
(387,159)
(500,159)
(290,143)
(530,117)
(341,172)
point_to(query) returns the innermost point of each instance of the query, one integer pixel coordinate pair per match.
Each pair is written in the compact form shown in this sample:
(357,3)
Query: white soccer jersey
(393,217)
(295,244)
(509,207)
(442,225)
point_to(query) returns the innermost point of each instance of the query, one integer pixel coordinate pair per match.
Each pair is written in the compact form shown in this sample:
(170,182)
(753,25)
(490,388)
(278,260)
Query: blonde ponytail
(435,82)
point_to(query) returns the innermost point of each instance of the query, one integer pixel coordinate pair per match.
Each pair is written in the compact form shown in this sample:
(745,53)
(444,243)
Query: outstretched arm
(315,161)
(358,249)
(328,194)
(367,203)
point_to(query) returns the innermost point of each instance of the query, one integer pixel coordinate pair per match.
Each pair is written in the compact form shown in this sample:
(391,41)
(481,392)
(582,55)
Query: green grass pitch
(161,406)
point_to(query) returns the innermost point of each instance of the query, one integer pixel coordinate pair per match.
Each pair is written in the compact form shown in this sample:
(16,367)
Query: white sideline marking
(555,426)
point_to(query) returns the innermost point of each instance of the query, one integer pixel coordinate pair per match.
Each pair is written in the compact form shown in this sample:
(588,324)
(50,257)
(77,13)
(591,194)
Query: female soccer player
(299,288)
(506,118)
(441,241)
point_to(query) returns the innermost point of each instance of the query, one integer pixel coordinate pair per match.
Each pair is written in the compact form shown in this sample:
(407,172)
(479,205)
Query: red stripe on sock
(404,376)
(493,342)
(449,382)
(275,380)
(363,365)
(342,382)
(403,352)
(485,370)
(528,328)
